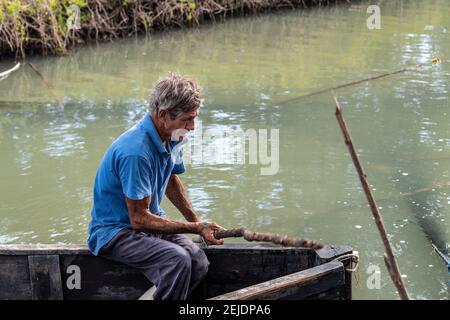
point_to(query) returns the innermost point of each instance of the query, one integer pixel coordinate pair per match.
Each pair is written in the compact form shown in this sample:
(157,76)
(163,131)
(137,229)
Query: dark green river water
(51,144)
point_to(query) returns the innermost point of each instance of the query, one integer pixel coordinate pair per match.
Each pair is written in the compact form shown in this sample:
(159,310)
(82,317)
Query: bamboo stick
(389,258)
(352,83)
(49,86)
(268,237)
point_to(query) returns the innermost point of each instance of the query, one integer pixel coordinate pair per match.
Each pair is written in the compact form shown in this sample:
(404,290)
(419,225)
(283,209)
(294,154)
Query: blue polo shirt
(136,165)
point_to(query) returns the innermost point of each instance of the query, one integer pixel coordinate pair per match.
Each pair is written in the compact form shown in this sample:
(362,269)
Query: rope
(354,256)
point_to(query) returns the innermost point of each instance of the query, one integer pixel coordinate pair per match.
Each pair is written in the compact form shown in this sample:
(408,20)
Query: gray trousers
(173,263)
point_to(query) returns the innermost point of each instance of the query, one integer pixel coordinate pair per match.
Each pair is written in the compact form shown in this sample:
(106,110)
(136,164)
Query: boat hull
(50,272)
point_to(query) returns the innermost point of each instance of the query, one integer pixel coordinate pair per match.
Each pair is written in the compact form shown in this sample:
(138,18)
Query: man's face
(184,121)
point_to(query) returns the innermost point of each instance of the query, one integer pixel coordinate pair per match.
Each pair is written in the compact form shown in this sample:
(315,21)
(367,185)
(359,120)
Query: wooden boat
(237,272)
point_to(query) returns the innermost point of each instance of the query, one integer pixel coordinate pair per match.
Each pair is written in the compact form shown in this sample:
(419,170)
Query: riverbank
(54,27)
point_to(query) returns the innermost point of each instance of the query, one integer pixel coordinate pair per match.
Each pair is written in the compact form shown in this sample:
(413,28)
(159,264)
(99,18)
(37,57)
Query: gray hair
(175,93)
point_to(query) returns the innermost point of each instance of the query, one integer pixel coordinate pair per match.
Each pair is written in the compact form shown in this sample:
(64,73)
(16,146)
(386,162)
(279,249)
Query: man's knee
(180,257)
(203,267)
(201,263)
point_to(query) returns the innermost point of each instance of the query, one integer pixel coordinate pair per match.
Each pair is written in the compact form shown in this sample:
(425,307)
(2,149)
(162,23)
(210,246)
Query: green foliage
(84,17)
(192,5)
(18,14)
(80,3)
(127,2)
(13,8)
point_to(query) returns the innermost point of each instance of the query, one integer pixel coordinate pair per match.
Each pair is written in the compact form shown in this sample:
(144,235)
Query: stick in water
(389,258)
(49,86)
(268,237)
(434,60)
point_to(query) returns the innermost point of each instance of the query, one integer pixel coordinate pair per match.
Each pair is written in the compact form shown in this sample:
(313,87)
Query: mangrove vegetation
(55,26)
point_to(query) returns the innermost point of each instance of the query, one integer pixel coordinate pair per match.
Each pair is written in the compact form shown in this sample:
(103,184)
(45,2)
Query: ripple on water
(63,140)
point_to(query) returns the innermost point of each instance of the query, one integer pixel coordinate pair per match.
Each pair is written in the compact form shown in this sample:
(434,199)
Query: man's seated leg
(166,264)
(200,262)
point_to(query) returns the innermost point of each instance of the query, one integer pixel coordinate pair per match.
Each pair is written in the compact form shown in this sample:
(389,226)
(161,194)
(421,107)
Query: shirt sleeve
(135,173)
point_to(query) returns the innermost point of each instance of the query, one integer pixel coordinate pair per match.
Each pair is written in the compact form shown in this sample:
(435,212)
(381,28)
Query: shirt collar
(149,127)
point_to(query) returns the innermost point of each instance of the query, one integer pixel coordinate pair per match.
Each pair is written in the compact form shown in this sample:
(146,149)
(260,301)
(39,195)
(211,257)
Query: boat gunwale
(284,282)
(325,254)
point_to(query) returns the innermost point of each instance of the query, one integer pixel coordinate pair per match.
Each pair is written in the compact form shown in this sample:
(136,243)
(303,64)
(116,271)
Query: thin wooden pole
(434,60)
(49,86)
(40,75)
(389,258)
(268,237)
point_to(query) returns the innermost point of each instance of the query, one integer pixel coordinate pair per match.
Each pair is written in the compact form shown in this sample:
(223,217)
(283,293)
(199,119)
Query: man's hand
(206,230)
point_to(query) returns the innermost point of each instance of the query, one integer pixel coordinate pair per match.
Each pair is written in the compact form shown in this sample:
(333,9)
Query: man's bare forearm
(178,196)
(142,219)
(145,221)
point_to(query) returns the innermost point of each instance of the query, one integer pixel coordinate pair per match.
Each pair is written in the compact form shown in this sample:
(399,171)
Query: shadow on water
(431,216)
(432,221)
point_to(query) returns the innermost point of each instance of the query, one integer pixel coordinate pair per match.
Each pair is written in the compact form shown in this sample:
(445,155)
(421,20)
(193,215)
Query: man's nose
(190,125)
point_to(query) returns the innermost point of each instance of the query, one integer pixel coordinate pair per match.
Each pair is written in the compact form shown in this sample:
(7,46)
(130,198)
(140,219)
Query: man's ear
(162,114)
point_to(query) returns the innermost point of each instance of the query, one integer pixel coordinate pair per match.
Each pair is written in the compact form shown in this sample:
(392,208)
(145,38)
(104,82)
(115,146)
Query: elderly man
(127,223)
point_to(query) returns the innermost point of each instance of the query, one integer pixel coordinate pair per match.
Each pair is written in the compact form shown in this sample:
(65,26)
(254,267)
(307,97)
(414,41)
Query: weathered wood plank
(236,269)
(334,293)
(321,278)
(330,252)
(36,249)
(101,279)
(45,277)
(14,278)
(329,281)
(257,264)
(42,249)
